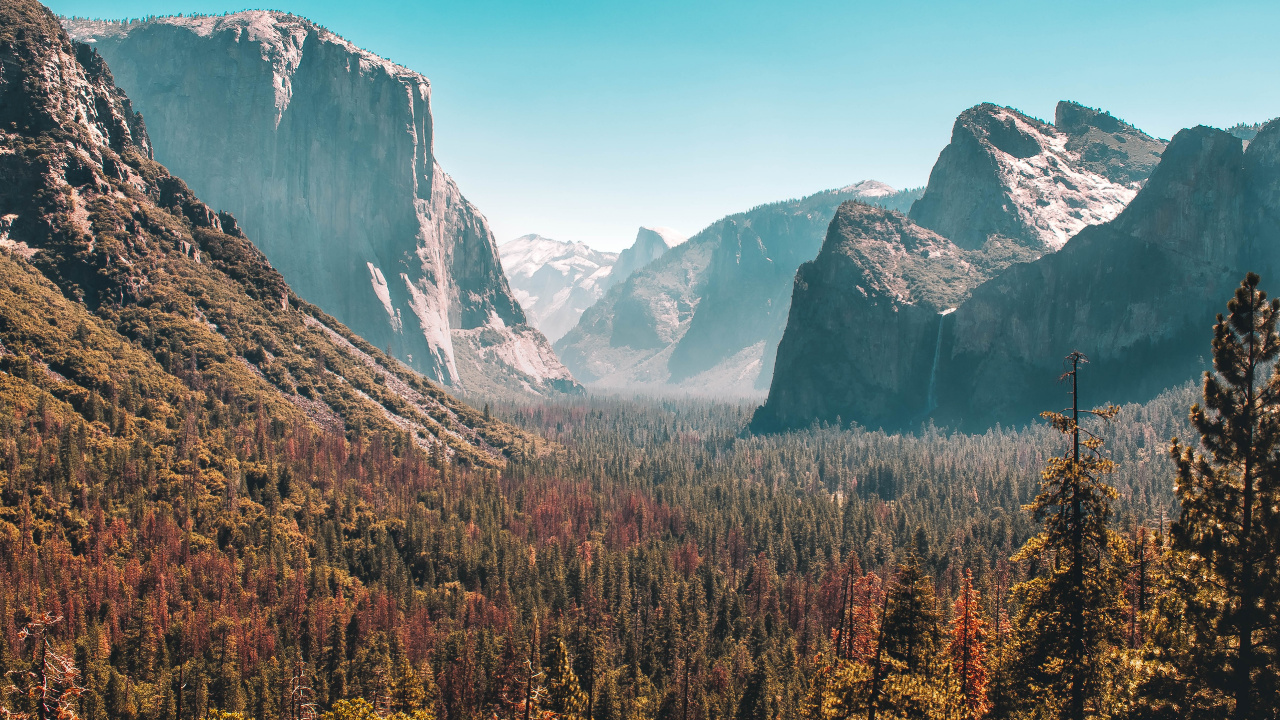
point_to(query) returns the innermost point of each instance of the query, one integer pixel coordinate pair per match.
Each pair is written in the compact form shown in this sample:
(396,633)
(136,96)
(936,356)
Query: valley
(287,434)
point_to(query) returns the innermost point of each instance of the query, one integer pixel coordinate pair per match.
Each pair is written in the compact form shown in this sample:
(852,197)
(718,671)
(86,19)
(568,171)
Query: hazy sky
(584,120)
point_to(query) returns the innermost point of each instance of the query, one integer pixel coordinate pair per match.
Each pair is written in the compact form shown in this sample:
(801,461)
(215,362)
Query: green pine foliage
(1225,541)
(1067,657)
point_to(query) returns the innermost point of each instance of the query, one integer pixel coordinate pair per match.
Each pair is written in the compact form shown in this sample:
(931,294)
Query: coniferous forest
(651,560)
(217,502)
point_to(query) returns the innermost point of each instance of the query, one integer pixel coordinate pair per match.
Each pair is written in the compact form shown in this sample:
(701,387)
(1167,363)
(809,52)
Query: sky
(585,120)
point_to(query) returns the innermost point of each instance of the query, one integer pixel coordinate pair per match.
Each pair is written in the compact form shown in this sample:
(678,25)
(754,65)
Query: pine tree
(1228,533)
(564,696)
(969,650)
(911,631)
(1069,621)
(335,660)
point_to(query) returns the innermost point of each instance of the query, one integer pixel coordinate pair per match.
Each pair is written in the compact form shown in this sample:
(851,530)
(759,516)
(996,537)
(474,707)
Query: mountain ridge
(631,340)
(555,280)
(1137,294)
(1006,174)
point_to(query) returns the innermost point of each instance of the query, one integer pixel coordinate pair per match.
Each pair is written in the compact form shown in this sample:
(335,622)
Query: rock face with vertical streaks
(125,300)
(323,152)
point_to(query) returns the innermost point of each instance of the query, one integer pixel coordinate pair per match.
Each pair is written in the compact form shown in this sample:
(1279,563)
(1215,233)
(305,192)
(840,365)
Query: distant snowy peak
(555,281)
(1009,175)
(870,189)
(525,256)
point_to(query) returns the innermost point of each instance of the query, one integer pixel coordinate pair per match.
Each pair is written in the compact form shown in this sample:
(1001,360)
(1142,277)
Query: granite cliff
(323,152)
(1137,294)
(706,317)
(128,302)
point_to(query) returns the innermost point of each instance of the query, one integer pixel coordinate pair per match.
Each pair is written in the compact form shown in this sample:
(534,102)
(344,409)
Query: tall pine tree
(1228,534)
(1070,614)
(969,649)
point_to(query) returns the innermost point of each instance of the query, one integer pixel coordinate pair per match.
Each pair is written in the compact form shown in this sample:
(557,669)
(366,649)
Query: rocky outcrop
(556,281)
(323,152)
(707,316)
(1106,145)
(1006,175)
(1138,295)
(127,298)
(866,320)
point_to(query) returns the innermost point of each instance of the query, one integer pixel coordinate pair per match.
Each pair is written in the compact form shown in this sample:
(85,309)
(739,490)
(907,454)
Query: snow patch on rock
(1051,194)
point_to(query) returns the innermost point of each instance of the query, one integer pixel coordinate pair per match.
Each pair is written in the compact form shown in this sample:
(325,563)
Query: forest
(644,559)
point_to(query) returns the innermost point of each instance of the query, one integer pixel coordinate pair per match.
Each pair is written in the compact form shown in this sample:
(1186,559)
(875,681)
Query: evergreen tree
(1228,533)
(968,649)
(564,697)
(1069,622)
(911,631)
(335,660)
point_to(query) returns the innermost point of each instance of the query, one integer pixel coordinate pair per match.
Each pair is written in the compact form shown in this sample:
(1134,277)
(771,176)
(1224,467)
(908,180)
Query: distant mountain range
(864,304)
(323,152)
(556,280)
(706,317)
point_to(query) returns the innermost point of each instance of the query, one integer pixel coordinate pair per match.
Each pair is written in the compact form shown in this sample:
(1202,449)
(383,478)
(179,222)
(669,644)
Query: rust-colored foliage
(969,650)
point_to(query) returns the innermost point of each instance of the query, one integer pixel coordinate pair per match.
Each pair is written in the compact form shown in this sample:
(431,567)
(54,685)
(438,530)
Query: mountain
(706,317)
(323,152)
(555,280)
(1005,174)
(650,244)
(132,310)
(1137,294)
(865,317)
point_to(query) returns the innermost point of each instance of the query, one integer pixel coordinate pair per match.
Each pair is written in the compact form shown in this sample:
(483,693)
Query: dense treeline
(652,561)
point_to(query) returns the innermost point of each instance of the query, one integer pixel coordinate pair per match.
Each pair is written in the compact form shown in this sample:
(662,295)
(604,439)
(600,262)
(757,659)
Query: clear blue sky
(583,120)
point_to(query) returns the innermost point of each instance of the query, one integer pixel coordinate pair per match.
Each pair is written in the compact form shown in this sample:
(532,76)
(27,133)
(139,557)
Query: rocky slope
(555,281)
(707,316)
(127,299)
(1137,295)
(1010,176)
(323,151)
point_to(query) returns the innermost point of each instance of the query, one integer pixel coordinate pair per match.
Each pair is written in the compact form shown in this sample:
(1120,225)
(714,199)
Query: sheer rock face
(1010,176)
(650,244)
(324,154)
(706,317)
(876,290)
(1138,295)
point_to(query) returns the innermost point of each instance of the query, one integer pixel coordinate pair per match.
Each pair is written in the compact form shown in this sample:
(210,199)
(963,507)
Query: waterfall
(931,398)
